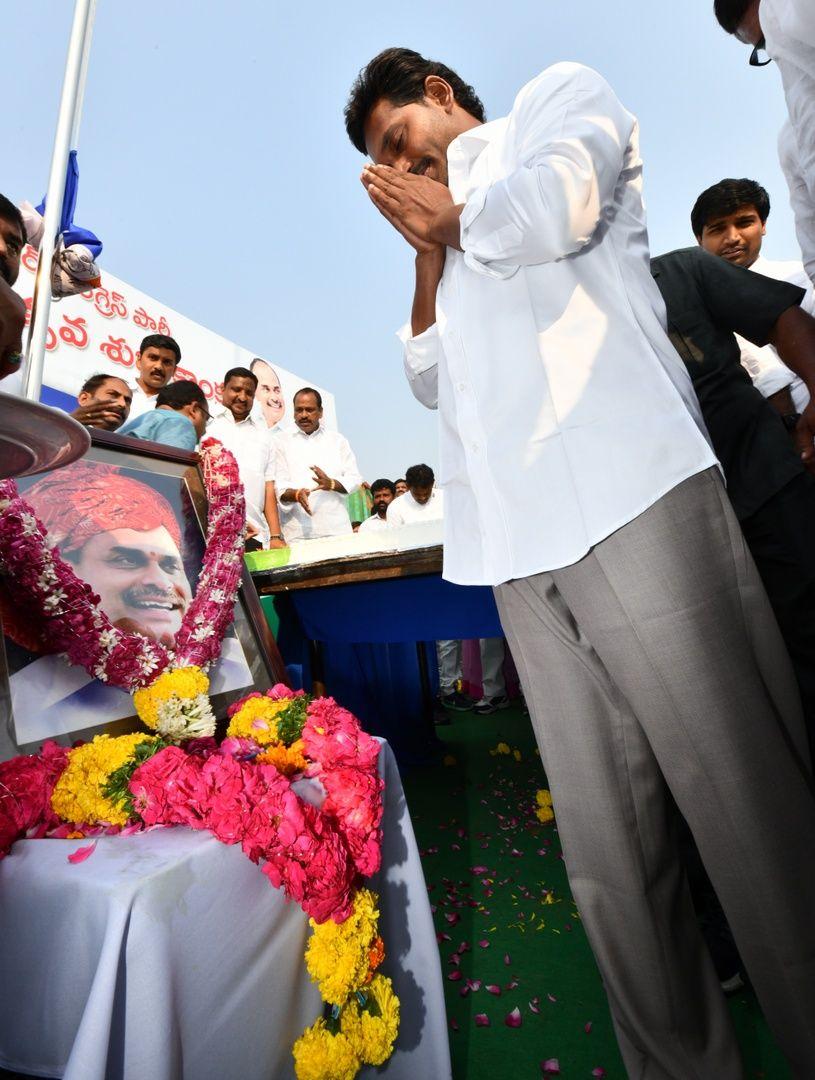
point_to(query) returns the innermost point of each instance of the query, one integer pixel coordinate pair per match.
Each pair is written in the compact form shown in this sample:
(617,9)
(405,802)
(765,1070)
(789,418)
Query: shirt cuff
(421,351)
(483,254)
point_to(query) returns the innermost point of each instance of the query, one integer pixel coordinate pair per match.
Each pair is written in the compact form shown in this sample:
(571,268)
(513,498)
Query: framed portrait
(130,518)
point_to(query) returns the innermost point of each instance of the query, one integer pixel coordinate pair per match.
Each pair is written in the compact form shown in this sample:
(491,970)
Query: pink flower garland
(66,612)
(317,856)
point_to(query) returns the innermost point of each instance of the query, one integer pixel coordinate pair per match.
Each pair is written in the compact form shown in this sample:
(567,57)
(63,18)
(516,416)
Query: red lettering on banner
(73,333)
(141,318)
(219,392)
(109,305)
(30,258)
(29,303)
(51,341)
(117,350)
(206,387)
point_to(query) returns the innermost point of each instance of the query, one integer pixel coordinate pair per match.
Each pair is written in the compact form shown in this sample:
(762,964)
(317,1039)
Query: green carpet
(509,934)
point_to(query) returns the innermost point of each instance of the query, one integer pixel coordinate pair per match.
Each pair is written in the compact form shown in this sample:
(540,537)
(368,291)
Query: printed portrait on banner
(133,535)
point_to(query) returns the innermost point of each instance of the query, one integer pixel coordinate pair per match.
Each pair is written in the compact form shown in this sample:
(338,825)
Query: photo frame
(41,696)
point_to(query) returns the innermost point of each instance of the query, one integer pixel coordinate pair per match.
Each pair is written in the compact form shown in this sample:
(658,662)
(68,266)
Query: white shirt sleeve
(571,137)
(803,206)
(767,370)
(394,515)
(350,477)
(421,360)
(280,468)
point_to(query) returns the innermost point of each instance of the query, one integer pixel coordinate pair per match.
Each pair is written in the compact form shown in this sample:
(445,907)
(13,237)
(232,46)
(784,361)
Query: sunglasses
(759,56)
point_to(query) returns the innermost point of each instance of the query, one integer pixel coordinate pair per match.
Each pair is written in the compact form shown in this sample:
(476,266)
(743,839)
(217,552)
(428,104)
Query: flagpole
(67,134)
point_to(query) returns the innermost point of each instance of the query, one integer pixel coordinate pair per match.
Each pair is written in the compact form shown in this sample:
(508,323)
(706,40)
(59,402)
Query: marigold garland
(79,795)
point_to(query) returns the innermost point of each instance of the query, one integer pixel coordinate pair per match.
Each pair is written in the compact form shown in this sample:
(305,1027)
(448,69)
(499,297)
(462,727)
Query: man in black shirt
(767,468)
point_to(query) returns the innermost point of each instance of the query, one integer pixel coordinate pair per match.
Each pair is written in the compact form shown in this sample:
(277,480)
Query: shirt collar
(227,415)
(466,147)
(302,434)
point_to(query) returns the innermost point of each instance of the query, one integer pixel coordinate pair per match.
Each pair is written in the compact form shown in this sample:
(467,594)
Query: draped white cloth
(168,956)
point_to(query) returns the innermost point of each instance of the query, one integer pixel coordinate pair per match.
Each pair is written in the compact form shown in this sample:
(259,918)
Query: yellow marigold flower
(338,954)
(503,748)
(256,720)
(185,684)
(517,755)
(372,1031)
(319,1055)
(545,814)
(78,794)
(286,759)
(543,797)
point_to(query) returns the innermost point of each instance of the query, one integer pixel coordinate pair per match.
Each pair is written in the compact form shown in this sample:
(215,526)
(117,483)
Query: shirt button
(462,386)
(476,447)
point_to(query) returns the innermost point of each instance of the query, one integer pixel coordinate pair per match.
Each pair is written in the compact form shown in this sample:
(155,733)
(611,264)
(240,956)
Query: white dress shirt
(789,29)
(565,411)
(405,509)
(373,524)
(766,368)
(141,402)
(295,453)
(251,443)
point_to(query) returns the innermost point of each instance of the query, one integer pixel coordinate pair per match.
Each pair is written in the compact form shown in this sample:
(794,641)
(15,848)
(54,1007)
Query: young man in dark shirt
(768,468)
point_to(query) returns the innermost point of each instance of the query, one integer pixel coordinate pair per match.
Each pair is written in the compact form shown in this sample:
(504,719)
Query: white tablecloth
(168,956)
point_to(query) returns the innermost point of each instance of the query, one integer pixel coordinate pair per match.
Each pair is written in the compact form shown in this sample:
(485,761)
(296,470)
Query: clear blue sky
(215,166)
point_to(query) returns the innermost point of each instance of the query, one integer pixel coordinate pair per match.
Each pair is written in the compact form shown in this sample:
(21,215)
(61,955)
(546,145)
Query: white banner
(101,330)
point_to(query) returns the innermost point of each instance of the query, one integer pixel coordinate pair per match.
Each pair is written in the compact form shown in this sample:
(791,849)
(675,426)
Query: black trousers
(781,538)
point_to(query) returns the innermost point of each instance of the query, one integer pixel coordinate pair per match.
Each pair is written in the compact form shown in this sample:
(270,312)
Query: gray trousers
(654,671)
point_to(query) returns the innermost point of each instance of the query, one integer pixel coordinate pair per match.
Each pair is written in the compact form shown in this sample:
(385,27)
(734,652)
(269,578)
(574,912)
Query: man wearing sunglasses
(784,31)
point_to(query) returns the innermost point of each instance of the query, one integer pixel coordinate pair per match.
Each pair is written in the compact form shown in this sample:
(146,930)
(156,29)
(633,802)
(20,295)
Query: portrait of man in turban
(133,544)
(123,538)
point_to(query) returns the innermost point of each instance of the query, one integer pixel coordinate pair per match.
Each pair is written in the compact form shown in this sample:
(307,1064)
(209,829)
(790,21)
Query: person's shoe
(490,705)
(457,701)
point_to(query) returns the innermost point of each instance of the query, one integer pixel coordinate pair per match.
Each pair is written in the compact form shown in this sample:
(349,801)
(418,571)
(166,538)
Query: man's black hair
(161,341)
(730,13)
(91,385)
(419,476)
(9,212)
(398,75)
(727,197)
(240,373)
(310,390)
(383,485)
(181,393)
(399,480)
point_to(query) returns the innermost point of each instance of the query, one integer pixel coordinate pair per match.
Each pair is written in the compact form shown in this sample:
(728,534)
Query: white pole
(70,108)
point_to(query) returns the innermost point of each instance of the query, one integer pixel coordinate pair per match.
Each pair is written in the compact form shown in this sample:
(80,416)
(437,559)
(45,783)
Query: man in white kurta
(252,444)
(579,481)
(786,28)
(315,469)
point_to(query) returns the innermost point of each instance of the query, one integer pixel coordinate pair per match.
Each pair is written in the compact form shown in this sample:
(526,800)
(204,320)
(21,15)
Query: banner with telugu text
(100,330)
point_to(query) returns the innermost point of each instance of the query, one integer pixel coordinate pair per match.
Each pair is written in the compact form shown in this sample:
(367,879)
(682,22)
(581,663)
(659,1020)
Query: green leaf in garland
(117,787)
(291,721)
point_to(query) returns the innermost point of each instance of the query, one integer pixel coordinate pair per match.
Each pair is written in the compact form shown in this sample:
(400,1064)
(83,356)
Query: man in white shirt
(315,469)
(421,502)
(158,357)
(581,484)
(729,220)
(252,444)
(786,30)
(383,493)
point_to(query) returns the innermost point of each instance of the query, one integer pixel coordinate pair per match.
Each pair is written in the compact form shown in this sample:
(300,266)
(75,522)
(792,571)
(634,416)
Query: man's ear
(439,92)
(82,398)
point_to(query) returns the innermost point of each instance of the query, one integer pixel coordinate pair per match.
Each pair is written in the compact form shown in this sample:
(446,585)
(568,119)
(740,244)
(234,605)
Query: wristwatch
(790,420)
